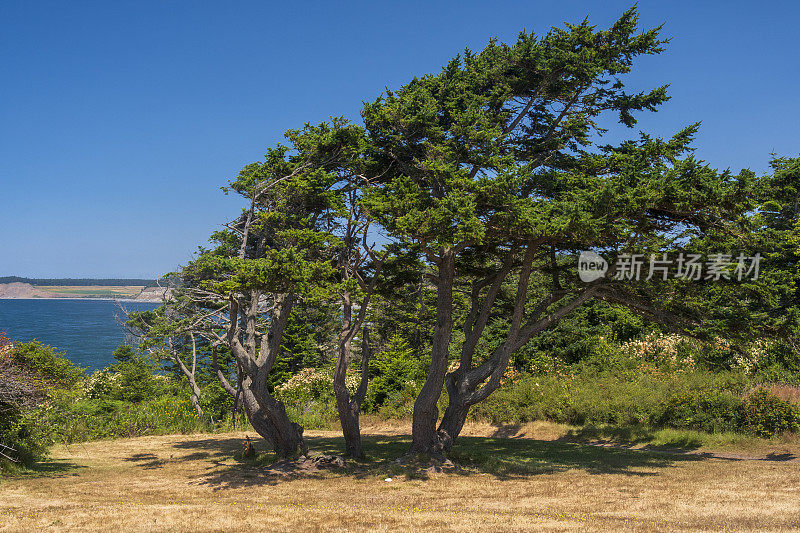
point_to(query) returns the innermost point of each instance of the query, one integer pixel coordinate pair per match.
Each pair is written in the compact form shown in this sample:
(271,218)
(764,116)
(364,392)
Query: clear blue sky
(119,121)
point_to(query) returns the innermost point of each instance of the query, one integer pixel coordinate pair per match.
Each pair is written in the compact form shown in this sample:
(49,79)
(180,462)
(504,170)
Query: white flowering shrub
(308,384)
(100,384)
(308,396)
(752,357)
(671,351)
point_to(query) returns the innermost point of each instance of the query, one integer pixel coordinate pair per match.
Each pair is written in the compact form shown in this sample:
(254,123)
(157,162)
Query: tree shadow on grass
(52,468)
(513,458)
(631,435)
(228,469)
(503,458)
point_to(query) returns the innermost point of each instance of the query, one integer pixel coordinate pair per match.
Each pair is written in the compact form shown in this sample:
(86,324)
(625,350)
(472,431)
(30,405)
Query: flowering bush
(100,384)
(752,357)
(673,352)
(308,396)
(308,384)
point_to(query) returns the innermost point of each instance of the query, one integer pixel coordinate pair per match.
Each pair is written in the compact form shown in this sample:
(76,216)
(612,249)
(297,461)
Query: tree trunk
(467,388)
(350,407)
(455,415)
(424,437)
(195,396)
(348,416)
(268,417)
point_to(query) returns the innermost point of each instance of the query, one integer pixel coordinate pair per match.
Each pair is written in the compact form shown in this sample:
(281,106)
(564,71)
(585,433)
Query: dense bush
(393,375)
(52,367)
(216,403)
(704,410)
(660,381)
(766,415)
(309,400)
(31,374)
(25,436)
(74,420)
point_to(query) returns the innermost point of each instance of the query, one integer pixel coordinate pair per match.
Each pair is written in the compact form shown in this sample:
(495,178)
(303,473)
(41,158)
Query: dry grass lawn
(193,483)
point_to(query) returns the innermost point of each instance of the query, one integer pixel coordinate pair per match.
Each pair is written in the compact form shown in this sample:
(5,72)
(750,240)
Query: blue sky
(120,121)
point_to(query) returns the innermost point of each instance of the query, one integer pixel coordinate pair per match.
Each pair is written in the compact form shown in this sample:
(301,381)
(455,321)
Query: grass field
(193,483)
(96,291)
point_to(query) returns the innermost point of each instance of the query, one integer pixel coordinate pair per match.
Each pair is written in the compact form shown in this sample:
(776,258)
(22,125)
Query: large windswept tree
(271,256)
(491,173)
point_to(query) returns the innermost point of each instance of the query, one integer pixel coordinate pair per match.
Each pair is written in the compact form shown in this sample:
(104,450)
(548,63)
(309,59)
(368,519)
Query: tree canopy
(483,182)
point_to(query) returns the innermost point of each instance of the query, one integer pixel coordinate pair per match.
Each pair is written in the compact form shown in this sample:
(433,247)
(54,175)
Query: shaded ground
(193,483)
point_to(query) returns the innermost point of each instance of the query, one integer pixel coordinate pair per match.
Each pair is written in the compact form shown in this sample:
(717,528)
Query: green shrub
(393,372)
(308,397)
(216,402)
(621,394)
(717,356)
(25,435)
(766,415)
(52,366)
(45,374)
(131,379)
(712,411)
(136,379)
(75,420)
(400,402)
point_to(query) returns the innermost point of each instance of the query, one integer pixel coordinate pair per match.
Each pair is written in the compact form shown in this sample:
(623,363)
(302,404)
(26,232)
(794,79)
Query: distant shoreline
(26,291)
(91,298)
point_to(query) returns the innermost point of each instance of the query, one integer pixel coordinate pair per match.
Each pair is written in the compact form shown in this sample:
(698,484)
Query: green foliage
(618,387)
(22,431)
(766,415)
(393,372)
(216,402)
(54,369)
(47,373)
(75,420)
(133,376)
(574,337)
(309,400)
(705,410)
(299,348)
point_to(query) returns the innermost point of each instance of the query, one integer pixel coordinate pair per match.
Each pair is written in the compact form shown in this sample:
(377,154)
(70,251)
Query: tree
(18,387)
(778,235)
(268,259)
(492,176)
(171,333)
(29,373)
(355,289)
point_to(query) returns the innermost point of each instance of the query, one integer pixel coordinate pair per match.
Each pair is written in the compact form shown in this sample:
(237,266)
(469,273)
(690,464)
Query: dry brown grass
(192,483)
(787,393)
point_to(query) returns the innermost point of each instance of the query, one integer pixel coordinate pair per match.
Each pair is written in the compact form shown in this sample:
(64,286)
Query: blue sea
(87,331)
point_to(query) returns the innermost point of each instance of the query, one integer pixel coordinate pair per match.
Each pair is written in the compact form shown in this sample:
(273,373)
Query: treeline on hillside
(84,282)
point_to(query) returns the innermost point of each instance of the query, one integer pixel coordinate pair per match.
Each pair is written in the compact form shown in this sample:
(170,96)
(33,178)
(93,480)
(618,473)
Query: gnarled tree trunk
(350,407)
(466,387)
(265,413)
(268,417)
(424,437)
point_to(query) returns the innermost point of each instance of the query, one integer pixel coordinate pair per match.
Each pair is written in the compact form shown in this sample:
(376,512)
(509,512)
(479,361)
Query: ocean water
(88,331)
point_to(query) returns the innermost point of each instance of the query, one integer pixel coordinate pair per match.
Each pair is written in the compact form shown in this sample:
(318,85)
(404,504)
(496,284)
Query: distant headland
(144,290)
